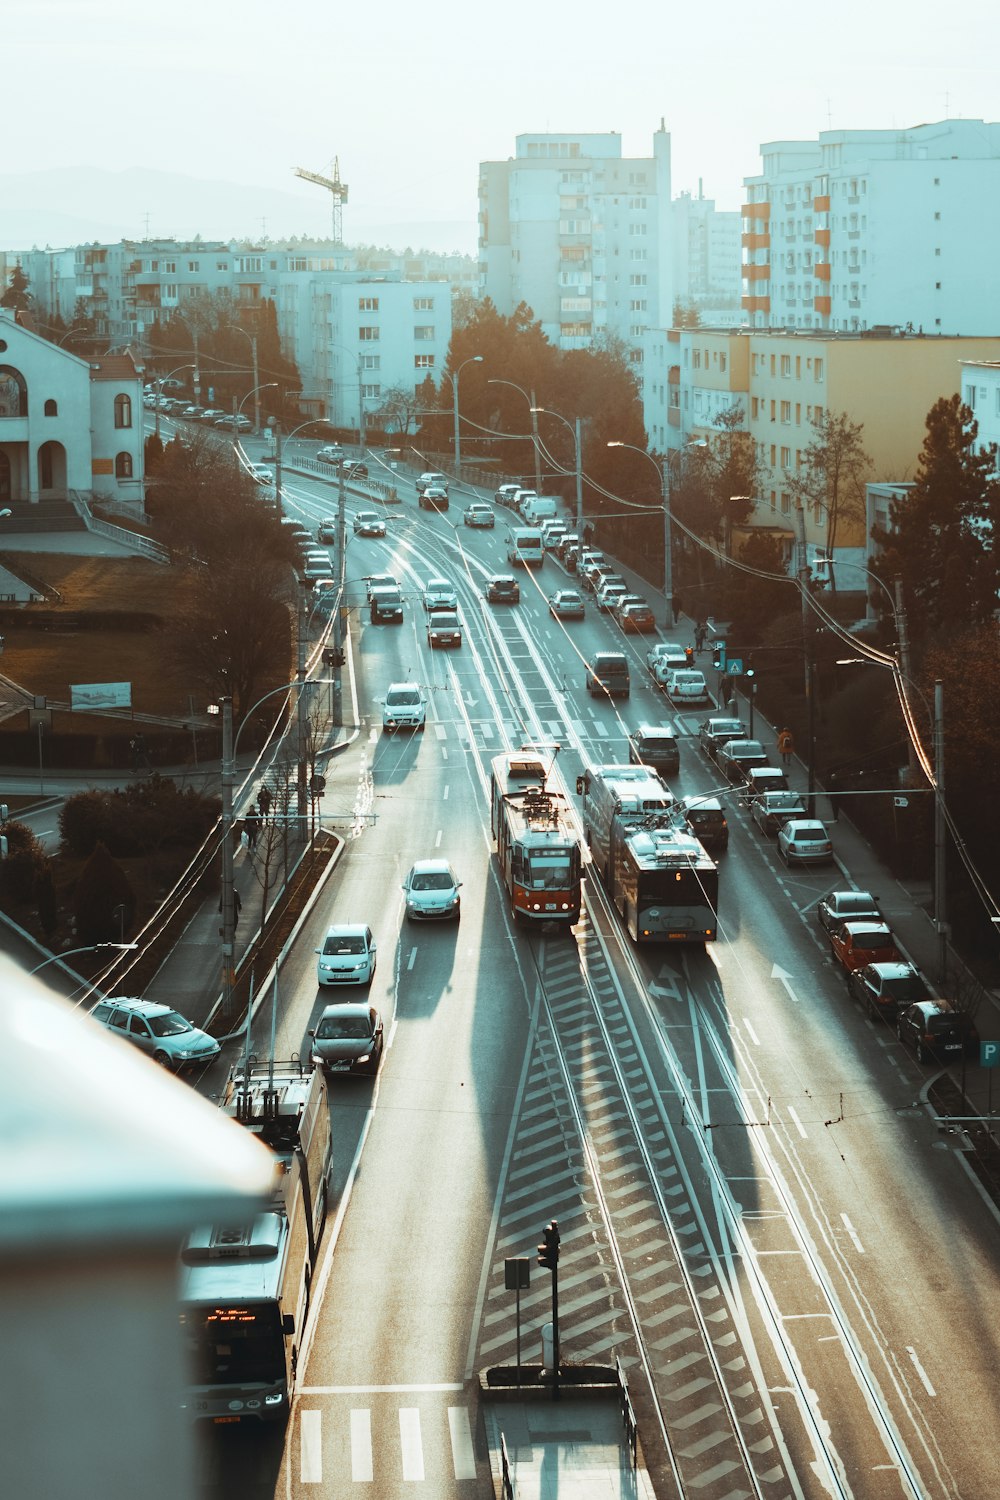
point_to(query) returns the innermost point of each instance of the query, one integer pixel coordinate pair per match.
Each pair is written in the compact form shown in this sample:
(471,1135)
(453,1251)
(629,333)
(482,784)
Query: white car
(439,594)
(405,707)
(686,685)
(663,649)
(804,841)
(432,481)
(610,591)
(431,890)
(262,473)
(347,955)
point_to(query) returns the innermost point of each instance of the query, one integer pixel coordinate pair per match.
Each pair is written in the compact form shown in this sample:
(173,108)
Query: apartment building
(981,394)
(582,235)
(876,228)
(784,381)
(707,261)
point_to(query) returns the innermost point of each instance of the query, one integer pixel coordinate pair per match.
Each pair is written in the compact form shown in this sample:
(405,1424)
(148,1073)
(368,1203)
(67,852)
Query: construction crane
(337,190)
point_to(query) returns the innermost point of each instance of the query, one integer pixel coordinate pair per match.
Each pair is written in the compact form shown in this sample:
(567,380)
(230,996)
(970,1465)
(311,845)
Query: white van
(538,509)
(524,546)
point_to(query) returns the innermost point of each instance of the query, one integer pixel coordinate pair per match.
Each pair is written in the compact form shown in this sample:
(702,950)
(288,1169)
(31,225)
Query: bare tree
(399,411)
(832,477)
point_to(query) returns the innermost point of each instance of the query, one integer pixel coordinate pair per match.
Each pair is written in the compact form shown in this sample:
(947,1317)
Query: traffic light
(748,671)
(719,656)
(548,1251)
(689,655)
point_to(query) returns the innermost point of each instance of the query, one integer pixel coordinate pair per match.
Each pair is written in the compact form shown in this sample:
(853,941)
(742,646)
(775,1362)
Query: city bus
(538,850)
(626,791)
(663,884)
(246,1288)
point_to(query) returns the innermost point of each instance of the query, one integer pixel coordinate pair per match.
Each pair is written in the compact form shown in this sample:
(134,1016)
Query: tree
(832,478)
(101,888)
(17,295)
(686,314)
(399,410)
(940,537)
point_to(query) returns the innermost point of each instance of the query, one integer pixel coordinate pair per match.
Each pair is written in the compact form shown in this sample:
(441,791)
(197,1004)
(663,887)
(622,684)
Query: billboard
(84,697)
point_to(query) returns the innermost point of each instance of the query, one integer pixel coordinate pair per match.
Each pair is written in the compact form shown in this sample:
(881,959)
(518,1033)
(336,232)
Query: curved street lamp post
(474,359)
(530,398)
(574,429)
(663,469)
(161,380)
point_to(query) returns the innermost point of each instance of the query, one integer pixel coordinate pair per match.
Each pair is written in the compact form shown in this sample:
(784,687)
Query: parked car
(772,810)
(348,1039)
(479,515)
(686,685)
(431,889)
(566,541)
(847,906)
(439,594)
(158,1030)
(610,591)
(706,818)
(385,603)
(622,603)
(566,604)
(404,707)
(261,473)
(193,413)
(347,955)
(505,494)
(636,619)
(354,468)
(443,628)
(552,531)
(935,1031)
(717,731)
(804,841)
(655,745)
(736,757)
(608,673)
(332,453)
(855,944)
(761,779)
(326,531)
(503,588)
(368,523)
(884,989)
(664,648)
(211,415)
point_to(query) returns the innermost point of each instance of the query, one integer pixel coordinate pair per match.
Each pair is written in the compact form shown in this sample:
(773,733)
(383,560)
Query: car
(847,906)
(158,1030)
(325,591)
(348,955)
(237,422)
(771,810)
(380,581)
(313,556)
(193,413)
(439,594)
(736,757)
(443,628)
(761,779)
(503,588)
(610,591)
(551,533)
(568,540)
(660,649)
(332,453)
(655,745)
(673,660)
(686,685)
(854,944)
(431,889)
(706,818)
(608,673)
(637,619)
(884,989)
(432,480)
(434,497)
(326,531)
(517,500)
(211,415)
(505,493)
(804,841)
(348,1039)
(313,570)
(368,523)
(936,1031)
(404,707)
(385,603)
(717,731)
(261,473)
(566,604)
(354,468)
(479,515)
(622,603)
(593,575)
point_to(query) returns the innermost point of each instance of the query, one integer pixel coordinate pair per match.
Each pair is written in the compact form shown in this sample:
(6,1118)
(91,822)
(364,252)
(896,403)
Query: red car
(856,944)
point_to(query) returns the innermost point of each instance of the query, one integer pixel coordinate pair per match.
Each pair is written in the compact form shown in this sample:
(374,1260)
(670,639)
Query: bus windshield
(234,1345)
(549,871)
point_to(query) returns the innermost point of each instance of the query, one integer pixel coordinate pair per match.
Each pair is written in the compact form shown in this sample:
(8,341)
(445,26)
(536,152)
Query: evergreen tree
(17,295)
(101,888)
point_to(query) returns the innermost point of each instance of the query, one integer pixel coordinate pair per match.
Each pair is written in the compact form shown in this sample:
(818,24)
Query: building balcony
(756,241)
(822,305)
(821,205)
(756,304)
(821,237)
(760,211)
(753,272)
(821,270)
(854,302)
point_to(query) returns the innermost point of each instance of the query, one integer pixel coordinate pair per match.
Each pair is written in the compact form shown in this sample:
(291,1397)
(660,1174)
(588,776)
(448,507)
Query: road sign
(517,1273)
(989,1054)
(734,666)
(900,801)
(318,786)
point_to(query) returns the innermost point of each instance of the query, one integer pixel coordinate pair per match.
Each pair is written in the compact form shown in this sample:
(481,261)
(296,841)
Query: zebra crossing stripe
(462,1452)
(311,1447)
(409,1440)
(362,1466)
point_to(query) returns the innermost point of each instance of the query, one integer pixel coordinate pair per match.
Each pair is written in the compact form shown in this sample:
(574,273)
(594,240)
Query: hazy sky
(412,96)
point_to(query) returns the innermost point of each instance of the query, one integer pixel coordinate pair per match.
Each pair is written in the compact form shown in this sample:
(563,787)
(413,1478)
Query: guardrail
(506,1478)
(145,545)
(629,1425)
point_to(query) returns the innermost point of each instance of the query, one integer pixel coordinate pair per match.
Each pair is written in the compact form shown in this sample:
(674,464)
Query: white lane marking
(854,1234)
(437,841)
(362,1466)
(409,1439)
(311,1447)
(797,1123)
(444,752)
(441,731)
(444,797)
(384,1390)
(750,1031)
(462,1452)
(920,1371)
(412,958)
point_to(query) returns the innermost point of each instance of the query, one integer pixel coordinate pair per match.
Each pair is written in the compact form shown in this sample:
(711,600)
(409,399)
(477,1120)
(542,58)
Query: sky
(411,97)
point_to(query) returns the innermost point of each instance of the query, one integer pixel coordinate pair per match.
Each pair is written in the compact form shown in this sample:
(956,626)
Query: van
(519,497)
(608,673)
(538,509)
(524,546)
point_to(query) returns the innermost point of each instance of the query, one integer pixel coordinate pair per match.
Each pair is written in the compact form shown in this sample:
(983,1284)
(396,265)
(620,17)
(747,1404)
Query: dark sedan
(847,906)
(887,988)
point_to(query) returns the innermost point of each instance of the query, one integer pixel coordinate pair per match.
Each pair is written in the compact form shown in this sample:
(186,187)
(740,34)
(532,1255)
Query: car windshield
(431,880)
(343,944)
(872,940)
(343,1028)
(809,836)
(906,987)
(782,800)
(169,1025)
(846,904)
(405,698)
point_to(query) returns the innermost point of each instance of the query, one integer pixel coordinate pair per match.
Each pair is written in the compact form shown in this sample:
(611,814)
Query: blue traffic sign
(989,1054)
(734,666)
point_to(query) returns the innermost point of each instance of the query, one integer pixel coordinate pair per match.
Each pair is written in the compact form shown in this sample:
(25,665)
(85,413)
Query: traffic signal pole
(548,1256)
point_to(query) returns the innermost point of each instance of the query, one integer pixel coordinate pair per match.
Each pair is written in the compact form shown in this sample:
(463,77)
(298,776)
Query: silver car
(348,1039)
(159,1031)
(431,890)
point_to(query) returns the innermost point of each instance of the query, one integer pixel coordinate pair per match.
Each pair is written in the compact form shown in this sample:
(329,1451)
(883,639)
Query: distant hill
(72,205)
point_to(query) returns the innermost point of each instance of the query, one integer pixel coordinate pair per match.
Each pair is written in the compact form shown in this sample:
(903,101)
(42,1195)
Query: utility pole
(579,479)
(340,561)
(302,720)
(940,844)
(228,911)
(277,469)
(668,555)
(538,457)
(548,1256)
(803,575)
(904,662)
(256,386)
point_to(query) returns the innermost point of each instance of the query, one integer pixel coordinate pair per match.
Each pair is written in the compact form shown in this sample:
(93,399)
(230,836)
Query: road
(759,1214)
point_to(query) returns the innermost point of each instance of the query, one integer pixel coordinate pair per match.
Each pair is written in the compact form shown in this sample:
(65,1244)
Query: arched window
(13,393)
(51,408)
(123,465)
(123,411)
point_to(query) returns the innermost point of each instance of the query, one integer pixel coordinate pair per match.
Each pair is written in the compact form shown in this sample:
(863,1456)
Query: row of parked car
(209,416)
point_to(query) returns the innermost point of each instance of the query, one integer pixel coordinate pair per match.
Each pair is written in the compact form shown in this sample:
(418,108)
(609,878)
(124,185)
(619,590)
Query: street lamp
(361,399)
(256,374)
(54,958)
(159,389)
(474,359)
(574,428)
(534,427)
(270,385)
(663,469)
(278,442)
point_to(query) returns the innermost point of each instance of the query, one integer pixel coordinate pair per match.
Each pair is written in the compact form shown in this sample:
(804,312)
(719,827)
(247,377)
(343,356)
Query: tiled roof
(114,367)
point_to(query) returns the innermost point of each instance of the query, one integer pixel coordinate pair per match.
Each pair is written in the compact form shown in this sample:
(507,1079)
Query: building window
(423,304)
(754,407)
(786,503)
(639,305)
(786,412)
(786,366)
(817,369)
(638,229)
(424,333)
(773,410)
(722,364)
(123,411)
(371,361)
(222,265)
(51,408)
(696,358)
(639,279)
(423,361)
(774,500)
(367,304)
(246,263)
(193,265)
(638,253)
(170,291)
(370,392)
(368,335)
(123,466)
(786,457)
(169,268)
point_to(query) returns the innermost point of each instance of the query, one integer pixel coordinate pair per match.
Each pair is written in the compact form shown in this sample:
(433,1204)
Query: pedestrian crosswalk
(346,1438)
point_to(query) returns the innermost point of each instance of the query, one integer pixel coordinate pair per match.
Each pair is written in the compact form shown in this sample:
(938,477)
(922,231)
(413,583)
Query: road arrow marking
(778,973)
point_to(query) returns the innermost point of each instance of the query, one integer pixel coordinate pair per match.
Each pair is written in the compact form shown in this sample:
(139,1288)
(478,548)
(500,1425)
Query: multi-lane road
(758,1215)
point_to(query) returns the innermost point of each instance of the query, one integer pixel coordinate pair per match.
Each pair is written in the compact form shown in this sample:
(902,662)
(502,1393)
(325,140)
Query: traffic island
(525,1382)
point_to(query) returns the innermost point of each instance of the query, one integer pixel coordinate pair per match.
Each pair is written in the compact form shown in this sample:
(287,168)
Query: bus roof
(235,1263)
(666,848)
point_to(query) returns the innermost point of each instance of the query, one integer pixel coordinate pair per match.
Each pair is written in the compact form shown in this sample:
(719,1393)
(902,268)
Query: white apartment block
(582,235)
(981,394)
(707,261)
(876,228)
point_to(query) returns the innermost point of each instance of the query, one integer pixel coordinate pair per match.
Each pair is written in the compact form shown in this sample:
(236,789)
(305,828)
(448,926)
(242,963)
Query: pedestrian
(251,827)
(725,691)
(677,607)
(833,795)
(264,802)
(786,746)
(699,636)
